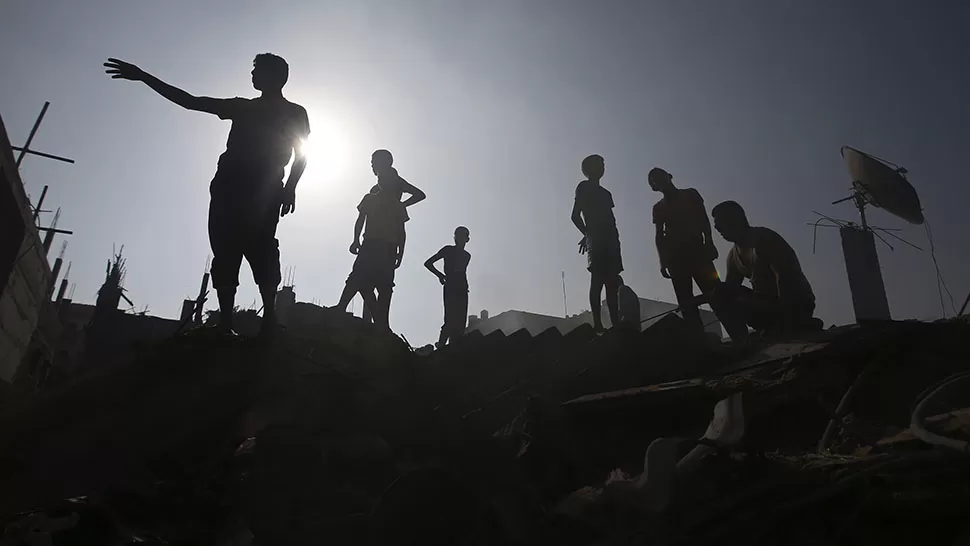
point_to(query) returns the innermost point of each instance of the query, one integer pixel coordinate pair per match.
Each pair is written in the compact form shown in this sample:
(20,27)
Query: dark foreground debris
(335,433)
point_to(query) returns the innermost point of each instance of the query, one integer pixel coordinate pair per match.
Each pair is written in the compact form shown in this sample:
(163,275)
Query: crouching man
(780,300)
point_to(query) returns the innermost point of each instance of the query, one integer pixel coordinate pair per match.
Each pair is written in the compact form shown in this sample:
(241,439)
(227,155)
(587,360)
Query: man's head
(381,161)
(730,221)
(594,166)
(270,72)
(462,235)
(660,180)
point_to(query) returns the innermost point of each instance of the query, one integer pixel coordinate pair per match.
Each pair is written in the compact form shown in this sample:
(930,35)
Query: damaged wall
(25,273)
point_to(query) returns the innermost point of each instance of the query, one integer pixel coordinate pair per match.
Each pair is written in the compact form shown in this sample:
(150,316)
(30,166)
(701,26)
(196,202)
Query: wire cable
(916,420)
(940,281)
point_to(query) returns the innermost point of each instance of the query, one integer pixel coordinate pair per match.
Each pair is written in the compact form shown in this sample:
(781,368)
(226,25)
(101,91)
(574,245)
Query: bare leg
(383,307)
(595,307)
(227,302)
(612,300)
(350,290)
(367,315)
(268,294)
(684,290)
(369,301)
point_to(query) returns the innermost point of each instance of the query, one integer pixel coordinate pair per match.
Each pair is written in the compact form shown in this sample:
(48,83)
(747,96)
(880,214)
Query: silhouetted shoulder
(767,237)
(658,212)
(300,116)
(592,193)
(231,108)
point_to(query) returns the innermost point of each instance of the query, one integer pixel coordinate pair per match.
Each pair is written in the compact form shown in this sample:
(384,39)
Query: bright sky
(490,107)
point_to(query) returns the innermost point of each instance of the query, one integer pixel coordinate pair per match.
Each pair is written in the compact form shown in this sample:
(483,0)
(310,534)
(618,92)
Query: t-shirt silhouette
(263,135)
(385,217)
(392,183)
(456,264)
(682,215)
(772,266)
(596,205)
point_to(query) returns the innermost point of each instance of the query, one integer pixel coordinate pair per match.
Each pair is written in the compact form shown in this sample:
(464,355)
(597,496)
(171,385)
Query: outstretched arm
(416,194)
(119,69)
(429,264)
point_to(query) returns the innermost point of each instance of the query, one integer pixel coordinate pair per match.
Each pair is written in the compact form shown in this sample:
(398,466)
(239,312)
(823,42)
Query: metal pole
(33,131)
(40,203)
(565,310)
(42,154)
(860,203)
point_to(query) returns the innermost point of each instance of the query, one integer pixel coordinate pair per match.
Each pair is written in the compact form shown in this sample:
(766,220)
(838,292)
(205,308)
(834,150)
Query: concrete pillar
(865,277)
(285,300)
(187,307)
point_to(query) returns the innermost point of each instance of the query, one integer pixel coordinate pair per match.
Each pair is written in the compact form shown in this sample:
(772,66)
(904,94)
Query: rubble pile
(337,433)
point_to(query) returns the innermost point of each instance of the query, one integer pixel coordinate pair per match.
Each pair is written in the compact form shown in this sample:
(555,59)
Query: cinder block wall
(25,291)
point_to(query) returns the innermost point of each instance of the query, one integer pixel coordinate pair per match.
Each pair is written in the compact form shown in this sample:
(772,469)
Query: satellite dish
(883,186)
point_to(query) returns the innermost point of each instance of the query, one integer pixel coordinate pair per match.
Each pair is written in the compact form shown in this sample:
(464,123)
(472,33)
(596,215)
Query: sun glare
(327,151)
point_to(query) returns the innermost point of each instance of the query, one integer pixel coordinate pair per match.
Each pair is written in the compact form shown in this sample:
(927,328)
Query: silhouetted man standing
(455,283)
(382,163)
(684,243)
(593,216)
(247,195)
(780,299)
(382,249)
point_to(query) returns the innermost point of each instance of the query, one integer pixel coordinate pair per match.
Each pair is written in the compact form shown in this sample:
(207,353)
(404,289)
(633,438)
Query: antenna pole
(860,203)
(565,310)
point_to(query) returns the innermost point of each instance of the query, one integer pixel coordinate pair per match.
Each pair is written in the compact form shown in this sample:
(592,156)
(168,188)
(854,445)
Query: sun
(327,152)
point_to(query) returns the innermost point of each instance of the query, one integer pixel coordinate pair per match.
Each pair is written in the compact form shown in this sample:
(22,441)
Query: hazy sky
(489,106)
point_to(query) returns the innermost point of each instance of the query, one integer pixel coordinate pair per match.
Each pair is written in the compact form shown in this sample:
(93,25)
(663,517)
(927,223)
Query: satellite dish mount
(881,184)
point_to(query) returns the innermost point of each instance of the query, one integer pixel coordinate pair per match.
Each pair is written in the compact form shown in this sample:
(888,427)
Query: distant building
(25,275)
(512,321)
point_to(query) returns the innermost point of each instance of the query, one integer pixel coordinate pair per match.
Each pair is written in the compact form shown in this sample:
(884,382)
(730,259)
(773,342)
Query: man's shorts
(374,266)
(237,232)
(603,257)
(456,307)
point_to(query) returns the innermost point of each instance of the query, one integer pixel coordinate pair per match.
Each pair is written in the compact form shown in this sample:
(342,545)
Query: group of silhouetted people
(248,197)
(779,301)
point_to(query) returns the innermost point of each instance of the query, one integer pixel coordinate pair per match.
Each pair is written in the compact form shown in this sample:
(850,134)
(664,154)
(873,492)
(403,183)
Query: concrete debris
(335,432)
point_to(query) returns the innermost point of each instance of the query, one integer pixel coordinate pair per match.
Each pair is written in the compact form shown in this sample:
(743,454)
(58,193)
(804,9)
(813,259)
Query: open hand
(289,201)
(665,272)
(120,70)
(355,247)
(583,245)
